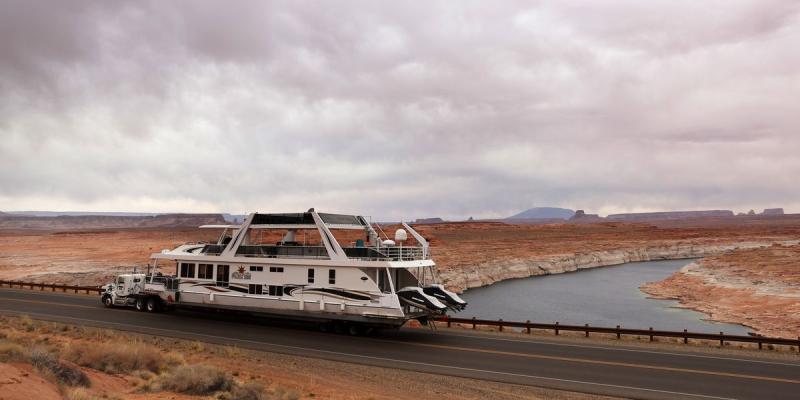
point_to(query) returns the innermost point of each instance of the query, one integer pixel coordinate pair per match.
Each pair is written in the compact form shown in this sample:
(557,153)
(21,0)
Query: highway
(632,372)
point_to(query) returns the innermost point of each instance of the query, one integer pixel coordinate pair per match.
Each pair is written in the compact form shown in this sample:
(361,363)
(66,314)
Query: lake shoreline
(600,297)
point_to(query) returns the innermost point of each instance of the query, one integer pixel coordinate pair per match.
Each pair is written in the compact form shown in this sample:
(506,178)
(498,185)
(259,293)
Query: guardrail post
(685,337)
(473,323)
(760,345)
(618,334)
(500,324)
(528,326)
(53,287)
(587,330)
(448,320)
(651,333)
(556,328)
(721,339)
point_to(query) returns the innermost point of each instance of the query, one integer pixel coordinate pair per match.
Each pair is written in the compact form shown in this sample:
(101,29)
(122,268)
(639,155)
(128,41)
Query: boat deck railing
(365,253)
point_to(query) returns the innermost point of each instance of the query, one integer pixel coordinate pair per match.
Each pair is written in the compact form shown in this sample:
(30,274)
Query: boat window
(205,271)
(120,280)
(275,290)
(187,270)
(256,269)
(255,289)
(332,276)
(223,275)
(275,269)
(311,275)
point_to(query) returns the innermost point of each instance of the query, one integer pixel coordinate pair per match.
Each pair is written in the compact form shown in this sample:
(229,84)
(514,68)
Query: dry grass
(247,391)
(198,379)
(256,391)
(11,352)
(50,366)
(83,394)
(120,358)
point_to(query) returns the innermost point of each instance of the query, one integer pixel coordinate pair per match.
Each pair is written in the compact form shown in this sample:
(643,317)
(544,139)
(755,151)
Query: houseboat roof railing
(236,245)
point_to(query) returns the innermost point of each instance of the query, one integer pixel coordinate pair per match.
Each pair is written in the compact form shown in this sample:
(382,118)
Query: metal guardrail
(528,326)
(52,286)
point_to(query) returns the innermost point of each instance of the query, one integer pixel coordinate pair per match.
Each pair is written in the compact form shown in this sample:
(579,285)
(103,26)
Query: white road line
(223,338)
(622,349)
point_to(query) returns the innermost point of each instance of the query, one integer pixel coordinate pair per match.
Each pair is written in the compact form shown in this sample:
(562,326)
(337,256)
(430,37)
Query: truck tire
(153,305)
(108,301)
(140,304)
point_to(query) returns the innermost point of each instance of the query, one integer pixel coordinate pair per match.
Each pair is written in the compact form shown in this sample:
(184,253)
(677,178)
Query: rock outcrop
(772,211)
(669,215)
(581,217)
(523,267)
(434,220)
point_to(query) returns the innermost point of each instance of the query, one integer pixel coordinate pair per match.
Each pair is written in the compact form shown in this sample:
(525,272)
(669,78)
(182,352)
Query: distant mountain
(68,222)
(80,214)
(544,213)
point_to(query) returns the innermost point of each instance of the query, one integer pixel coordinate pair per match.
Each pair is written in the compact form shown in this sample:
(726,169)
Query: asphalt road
(592,368)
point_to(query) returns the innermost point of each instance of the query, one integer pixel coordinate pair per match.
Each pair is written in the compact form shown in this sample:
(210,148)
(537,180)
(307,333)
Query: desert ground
(45,360)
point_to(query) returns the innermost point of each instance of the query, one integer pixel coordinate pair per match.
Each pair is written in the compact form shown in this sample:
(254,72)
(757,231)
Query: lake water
(606,296)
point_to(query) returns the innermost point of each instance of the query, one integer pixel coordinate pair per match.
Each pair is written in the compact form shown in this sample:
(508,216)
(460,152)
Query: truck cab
(124,291)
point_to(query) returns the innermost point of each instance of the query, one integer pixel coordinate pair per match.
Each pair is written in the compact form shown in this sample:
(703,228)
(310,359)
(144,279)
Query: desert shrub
(256,391)
(27,323)
(247,391)
(51,366)
(194,379)
(143,374)
(117,358)
(11,352)
(80,394)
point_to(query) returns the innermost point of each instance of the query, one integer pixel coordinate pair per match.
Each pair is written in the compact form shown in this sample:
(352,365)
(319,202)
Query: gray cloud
(451,109)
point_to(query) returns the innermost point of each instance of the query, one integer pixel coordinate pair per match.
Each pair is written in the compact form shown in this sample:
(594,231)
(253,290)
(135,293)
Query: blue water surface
(606,296)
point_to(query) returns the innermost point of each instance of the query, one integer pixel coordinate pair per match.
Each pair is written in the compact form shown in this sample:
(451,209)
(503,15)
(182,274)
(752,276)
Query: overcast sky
(399,109)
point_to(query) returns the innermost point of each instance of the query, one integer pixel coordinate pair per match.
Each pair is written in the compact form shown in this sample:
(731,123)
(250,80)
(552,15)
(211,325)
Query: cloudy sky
(399,109)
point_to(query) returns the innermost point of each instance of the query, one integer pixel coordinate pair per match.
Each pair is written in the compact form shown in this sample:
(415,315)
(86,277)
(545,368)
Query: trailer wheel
(338,327)
(107,301)
(140,304)
(152,305)
(354,329)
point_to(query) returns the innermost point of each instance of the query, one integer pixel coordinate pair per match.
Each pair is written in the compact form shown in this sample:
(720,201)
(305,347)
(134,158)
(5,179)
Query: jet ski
(452,300)
(415,296)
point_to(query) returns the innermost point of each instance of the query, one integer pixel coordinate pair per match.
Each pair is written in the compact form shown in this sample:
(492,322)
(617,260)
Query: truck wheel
(108,302)
(140,304)
(152,305)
